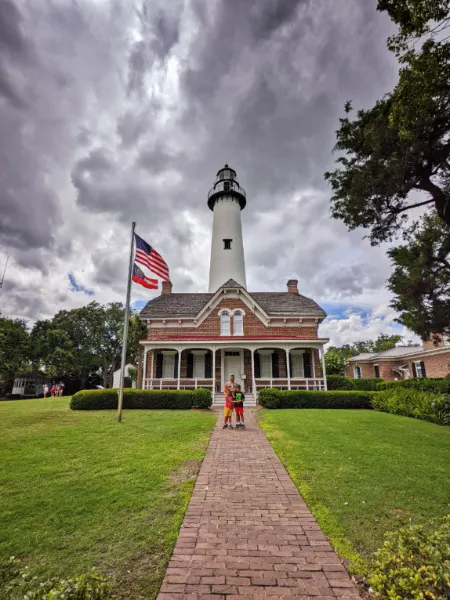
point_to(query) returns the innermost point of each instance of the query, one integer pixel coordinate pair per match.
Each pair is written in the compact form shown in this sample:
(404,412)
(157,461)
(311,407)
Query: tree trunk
(441,199)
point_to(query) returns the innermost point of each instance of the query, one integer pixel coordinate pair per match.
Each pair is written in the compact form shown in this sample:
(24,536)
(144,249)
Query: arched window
(238,324)
(225,323)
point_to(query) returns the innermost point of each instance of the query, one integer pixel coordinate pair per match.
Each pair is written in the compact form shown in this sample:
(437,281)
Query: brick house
(403,362)
(266,339)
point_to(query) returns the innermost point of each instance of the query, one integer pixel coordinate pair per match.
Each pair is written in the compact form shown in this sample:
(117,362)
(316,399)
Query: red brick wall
(252,326)
(436,365)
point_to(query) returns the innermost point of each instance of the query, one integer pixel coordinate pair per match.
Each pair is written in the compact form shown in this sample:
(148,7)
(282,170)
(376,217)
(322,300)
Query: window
(238,323)
(419,369)
(225,323)
(377,371)
(227,244)
(199,366)
(168,366)
(297,369)
(226,186)
(357,372)
(265,362)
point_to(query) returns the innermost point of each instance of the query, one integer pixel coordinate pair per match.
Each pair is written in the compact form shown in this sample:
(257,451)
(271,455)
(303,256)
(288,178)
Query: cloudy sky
(114,110)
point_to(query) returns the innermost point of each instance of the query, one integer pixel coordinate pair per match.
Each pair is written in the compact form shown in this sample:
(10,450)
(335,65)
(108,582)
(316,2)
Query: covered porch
(293,365)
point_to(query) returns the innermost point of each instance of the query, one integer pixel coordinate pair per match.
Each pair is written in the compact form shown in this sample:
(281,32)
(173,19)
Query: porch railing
(307,383)
(172,384)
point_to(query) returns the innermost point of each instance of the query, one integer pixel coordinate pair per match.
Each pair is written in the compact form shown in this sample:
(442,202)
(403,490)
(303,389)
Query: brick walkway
(247,532)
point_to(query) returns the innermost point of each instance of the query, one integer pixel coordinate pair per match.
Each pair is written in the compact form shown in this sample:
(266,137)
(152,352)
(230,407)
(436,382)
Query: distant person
(46,390)
(61,389)
(228,408)
(53,390)
(238,401)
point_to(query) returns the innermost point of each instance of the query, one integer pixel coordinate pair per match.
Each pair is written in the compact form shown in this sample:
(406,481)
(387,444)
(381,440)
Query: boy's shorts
(239,410)
(228,412)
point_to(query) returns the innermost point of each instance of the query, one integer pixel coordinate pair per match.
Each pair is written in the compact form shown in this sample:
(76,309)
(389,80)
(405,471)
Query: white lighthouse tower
(226,199)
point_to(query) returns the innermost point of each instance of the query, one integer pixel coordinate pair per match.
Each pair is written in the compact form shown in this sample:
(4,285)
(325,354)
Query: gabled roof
(397,352)
(273,303)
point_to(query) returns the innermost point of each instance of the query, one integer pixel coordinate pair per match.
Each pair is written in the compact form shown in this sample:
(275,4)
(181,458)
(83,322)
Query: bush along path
(247,531)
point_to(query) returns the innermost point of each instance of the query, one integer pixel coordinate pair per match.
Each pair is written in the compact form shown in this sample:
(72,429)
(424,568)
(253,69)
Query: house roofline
(378,358)
(236,339)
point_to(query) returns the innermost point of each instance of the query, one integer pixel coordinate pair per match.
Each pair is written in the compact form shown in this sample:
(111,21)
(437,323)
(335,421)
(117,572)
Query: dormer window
(238,323)
(227,244)
(225,323)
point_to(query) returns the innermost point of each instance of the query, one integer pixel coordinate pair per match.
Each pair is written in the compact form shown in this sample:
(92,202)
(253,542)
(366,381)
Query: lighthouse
(226,199)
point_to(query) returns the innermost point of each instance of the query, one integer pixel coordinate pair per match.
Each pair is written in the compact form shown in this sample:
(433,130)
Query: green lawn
(363,473)
(79,490)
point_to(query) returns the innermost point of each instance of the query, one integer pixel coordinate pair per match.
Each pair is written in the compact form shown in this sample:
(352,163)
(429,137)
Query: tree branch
(396,212)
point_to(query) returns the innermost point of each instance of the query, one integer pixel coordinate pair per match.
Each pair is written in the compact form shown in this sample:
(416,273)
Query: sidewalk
(247,532)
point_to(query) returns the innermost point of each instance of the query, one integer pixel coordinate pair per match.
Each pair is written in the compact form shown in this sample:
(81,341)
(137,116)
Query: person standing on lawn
(238,399)
(228,408)
(61,389)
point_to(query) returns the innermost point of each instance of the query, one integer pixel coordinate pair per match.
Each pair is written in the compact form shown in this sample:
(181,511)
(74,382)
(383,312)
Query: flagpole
(125,328)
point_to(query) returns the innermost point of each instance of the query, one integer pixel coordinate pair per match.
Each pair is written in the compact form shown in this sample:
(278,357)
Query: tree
(395,156)
(14,350)
(420,281)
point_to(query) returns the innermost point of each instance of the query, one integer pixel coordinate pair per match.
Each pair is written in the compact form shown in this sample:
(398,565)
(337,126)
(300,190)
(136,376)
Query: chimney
(166,288)
(292,286)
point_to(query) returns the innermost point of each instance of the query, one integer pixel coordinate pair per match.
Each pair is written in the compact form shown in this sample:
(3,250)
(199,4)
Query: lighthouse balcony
(227,188)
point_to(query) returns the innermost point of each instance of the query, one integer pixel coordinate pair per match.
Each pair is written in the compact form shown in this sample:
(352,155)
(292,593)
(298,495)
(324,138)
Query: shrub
(339,382)
(410,402)
(414,564)
(366,384)
(141,399)
(17,583)
(270,398)
(439,386)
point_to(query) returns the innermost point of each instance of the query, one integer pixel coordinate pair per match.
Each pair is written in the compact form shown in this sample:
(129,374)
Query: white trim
(265,351)
(298,351)
(235,310)
(199,351)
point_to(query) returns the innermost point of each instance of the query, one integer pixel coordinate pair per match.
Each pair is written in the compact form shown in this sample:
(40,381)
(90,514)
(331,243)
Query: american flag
(148,257)
(140,277)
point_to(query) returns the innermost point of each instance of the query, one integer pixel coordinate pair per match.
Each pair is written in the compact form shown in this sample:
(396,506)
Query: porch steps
(219,400)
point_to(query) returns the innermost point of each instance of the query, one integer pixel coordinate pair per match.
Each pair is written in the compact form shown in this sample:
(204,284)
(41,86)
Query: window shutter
(159,365)
(275,366)
(414,369)
(422,364)
(175,367)
(307,364)
(208,365)
(257,366)
(190,366)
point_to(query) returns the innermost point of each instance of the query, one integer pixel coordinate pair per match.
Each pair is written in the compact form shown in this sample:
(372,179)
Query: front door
(232,365)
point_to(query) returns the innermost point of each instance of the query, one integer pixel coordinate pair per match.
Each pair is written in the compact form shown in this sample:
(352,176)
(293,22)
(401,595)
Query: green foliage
(17,584)
(438,386)
(414,564)
(272,398)
(367,384)
(409,402)
(339,382)
(420,280)
(14,348)
(141,399)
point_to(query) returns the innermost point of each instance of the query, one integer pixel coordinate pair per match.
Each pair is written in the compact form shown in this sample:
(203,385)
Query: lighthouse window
(227,244)
(226,186)
(238,325)
(225,323)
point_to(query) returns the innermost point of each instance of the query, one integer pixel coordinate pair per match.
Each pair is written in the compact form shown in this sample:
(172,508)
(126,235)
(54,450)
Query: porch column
(253,373)
(324,372)
(288,368)
(213,371)
(313,360)
(151,368)
(179,368)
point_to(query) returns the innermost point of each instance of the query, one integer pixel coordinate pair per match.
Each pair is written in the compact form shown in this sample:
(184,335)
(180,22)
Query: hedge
(142,399)
(439,386)
(273,398)
(339,382)
(418,404)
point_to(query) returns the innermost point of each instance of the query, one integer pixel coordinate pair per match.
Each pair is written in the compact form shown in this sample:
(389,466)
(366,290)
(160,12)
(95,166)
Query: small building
(128,382)
(265,339)
(403,362)
(30,384)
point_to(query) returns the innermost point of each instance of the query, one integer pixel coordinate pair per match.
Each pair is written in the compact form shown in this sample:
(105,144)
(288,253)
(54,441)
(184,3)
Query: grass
(79,490)
(363,473)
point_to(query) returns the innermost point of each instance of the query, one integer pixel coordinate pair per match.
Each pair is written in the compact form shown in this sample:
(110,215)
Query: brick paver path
(247,532)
